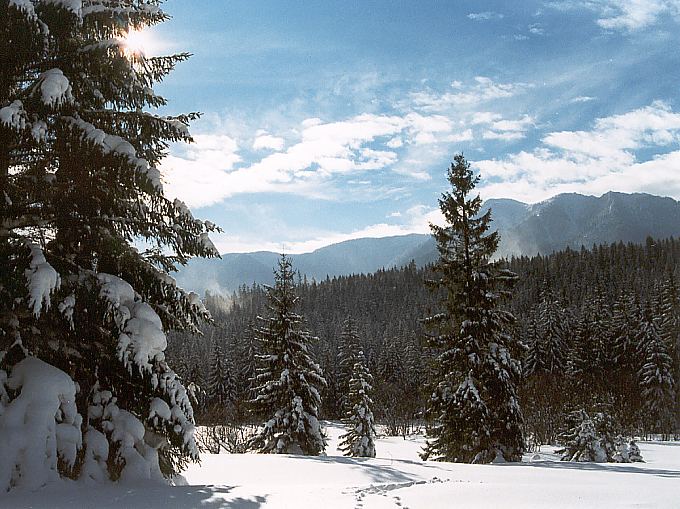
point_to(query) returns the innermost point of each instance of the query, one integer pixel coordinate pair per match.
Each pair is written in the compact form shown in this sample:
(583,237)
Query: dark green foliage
(359,440)
(592,439)
(221,391)
(79,185)
(656,374)
(476,413)
(287,383)
(386,307)
(348,352)
(580,440)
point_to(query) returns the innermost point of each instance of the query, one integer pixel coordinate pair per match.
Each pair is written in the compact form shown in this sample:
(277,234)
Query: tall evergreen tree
(655,375)
(248,356)
(288,380)
(221,387)
(475,407)
(552,333)
(359,441)
(348,350)
(669,306)
(533,360)
(79,187)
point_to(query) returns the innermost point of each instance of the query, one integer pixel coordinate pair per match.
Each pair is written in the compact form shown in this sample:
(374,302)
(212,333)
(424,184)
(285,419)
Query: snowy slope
(397,478)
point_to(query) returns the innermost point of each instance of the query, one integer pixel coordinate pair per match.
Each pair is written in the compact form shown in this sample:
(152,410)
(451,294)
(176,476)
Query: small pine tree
(634,452)
(474,405)
(359,441)
(622,454)
(288,380)
(580,439)
(606,428)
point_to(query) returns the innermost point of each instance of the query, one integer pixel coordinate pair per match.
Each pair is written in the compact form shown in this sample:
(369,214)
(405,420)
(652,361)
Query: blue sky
(325,121)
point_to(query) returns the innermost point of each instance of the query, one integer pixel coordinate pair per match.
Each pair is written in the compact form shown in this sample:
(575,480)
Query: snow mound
(14,116)
(75,6)
(25,6)
(55,88)
(39,427)
(141,340)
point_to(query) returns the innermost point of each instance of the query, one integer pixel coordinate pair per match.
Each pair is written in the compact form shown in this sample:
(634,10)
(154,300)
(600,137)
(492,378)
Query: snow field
(396,478)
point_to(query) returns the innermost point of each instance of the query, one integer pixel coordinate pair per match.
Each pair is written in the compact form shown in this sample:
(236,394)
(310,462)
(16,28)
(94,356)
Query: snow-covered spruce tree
(655,376)
(78,302)
(221,387)
(287,383)
(669,306)
(248,352)
(476,413)
(580,440)
(592,439)
(359,441)
(348,350)
(533,359)
(551,327)
(634,454)
(622,374)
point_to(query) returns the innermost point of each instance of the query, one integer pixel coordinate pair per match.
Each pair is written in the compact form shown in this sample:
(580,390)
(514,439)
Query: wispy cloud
(602,159)
(635,14)
(208,171)
(314,158)
(483,90)
(581,99)
(485,16)
(508,130)
(624,15)
(536,29)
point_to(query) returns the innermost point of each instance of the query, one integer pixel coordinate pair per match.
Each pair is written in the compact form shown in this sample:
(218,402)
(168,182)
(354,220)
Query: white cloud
(204,163)
(207,172)
(485,16)
(595,161)
(265,141)
(483,90)
(536,29)
(505,136)
(581,99)
(633,15)
(317,157)
(624,15)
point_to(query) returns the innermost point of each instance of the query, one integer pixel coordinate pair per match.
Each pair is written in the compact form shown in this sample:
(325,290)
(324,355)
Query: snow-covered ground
(397,478)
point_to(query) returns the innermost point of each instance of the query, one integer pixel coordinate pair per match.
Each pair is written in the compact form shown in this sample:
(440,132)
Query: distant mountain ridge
(565,220)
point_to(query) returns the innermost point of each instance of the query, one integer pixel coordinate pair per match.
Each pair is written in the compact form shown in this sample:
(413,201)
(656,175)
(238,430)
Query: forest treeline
(599,329)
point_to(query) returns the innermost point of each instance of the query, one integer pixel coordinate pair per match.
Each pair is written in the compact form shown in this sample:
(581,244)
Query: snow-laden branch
(42,280)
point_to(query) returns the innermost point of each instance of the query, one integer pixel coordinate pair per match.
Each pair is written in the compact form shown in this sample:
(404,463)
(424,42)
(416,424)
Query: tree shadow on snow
(378,473)
(110,496)
(625,468)
(201,496)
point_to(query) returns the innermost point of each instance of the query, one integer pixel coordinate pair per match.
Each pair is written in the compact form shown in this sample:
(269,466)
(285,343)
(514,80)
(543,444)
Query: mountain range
(566,220)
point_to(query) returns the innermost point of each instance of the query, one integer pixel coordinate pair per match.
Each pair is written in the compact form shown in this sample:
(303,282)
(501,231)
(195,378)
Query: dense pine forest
(599,329)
